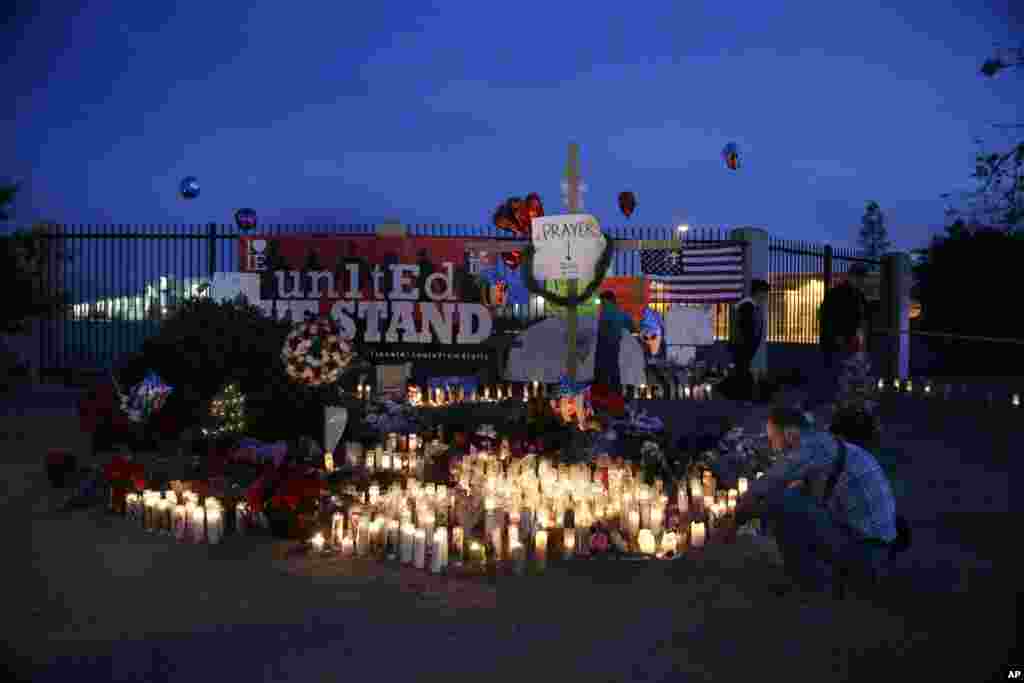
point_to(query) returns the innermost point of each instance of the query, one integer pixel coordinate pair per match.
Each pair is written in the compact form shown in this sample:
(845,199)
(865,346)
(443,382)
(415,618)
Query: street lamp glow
(683,228)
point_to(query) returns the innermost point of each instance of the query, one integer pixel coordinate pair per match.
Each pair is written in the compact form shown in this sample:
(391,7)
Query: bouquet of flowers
(637,422)
(314,352)
(738,455)
(386,416)
(145,399)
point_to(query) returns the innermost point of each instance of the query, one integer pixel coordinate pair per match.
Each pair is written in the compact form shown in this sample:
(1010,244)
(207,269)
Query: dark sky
(357,111)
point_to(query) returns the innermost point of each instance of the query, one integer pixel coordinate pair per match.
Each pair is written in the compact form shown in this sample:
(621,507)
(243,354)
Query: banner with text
(398,299)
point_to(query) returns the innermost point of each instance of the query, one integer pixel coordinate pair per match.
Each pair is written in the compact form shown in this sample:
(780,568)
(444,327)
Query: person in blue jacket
(613,324)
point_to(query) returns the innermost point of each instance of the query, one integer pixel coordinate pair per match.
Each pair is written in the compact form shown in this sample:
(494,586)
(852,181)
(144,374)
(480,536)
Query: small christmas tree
(227,412)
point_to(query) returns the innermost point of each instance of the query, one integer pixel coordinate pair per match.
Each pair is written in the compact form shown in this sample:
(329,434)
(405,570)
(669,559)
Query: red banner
(358,279)
(329,250)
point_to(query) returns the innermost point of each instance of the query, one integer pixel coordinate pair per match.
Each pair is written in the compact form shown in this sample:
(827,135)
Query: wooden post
(572,176)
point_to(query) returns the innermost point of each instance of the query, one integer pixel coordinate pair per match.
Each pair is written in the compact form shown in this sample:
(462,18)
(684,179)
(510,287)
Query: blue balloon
(189,187)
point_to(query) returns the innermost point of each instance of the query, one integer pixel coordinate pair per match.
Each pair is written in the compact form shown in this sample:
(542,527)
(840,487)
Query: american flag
(700,273)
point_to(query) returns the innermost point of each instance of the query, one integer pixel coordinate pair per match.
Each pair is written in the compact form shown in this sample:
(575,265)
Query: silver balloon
(189,187)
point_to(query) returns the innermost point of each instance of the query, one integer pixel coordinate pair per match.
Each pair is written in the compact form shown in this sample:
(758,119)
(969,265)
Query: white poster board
(686,328)
(568,247)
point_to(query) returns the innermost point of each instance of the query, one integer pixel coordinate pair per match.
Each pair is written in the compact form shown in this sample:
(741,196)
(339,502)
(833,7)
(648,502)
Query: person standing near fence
(748,333)
(844,314)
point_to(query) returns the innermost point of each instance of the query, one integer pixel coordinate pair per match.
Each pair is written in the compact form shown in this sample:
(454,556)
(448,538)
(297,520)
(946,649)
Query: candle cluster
(400,453)
(521,511)
(451,395)
(179,514)
(926,389)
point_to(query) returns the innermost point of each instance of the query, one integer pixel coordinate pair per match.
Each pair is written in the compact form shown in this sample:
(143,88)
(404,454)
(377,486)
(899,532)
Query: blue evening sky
(433,112)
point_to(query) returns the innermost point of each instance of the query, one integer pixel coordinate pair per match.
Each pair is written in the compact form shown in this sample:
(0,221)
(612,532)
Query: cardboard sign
(568,247)
(392,379)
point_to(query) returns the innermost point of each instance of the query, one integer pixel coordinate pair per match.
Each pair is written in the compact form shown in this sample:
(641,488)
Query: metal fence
(124,280)
(798,272)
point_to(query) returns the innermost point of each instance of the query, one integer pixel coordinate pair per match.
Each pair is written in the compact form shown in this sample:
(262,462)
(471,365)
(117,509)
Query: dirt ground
(92,598)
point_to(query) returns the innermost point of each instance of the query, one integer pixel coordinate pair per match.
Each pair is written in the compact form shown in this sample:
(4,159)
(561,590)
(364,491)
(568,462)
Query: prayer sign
(567,247)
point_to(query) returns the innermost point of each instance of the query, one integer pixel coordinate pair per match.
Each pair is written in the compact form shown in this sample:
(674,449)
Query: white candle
(428,522)
(541,549)
(742,486)
(180,522)
(419,549)
(408,532)
(392,540)
(569,542)
(477,557)
(198,524)
(337,527)
(657,518)
(214,524)
(354,453)
(670,543)
(458,538)
(347,546)
(439,557)
(362,536)
(646,542)
(242,517)
(496,542)
(698,533)
(318,542)
(518,554)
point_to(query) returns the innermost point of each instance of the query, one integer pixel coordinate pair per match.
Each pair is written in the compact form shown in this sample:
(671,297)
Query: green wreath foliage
(534,287)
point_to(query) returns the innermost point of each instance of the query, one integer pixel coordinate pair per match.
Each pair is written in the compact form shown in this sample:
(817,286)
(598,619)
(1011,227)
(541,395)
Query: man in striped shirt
(850,526)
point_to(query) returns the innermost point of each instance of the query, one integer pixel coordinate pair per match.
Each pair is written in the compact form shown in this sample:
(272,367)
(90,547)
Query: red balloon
(523,218)
(627,203)
(516,215)
(534,204)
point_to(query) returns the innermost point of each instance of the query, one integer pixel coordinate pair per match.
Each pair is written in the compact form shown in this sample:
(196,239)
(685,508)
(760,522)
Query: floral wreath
(314,352)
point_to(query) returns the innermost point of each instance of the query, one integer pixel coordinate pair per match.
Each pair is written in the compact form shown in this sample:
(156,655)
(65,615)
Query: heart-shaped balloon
(523,219)
(627,203)
(533,203)
(512,259)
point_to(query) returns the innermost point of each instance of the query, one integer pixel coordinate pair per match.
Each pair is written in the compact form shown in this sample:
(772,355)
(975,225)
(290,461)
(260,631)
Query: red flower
(605,400)
(254,495)
(57,456)
(138,475)
(118,469)
(300,488)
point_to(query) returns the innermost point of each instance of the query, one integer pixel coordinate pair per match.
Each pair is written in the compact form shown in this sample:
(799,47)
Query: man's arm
(802,464)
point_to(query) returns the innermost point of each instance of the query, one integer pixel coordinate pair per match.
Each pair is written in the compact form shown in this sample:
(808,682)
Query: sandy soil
(93,598)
